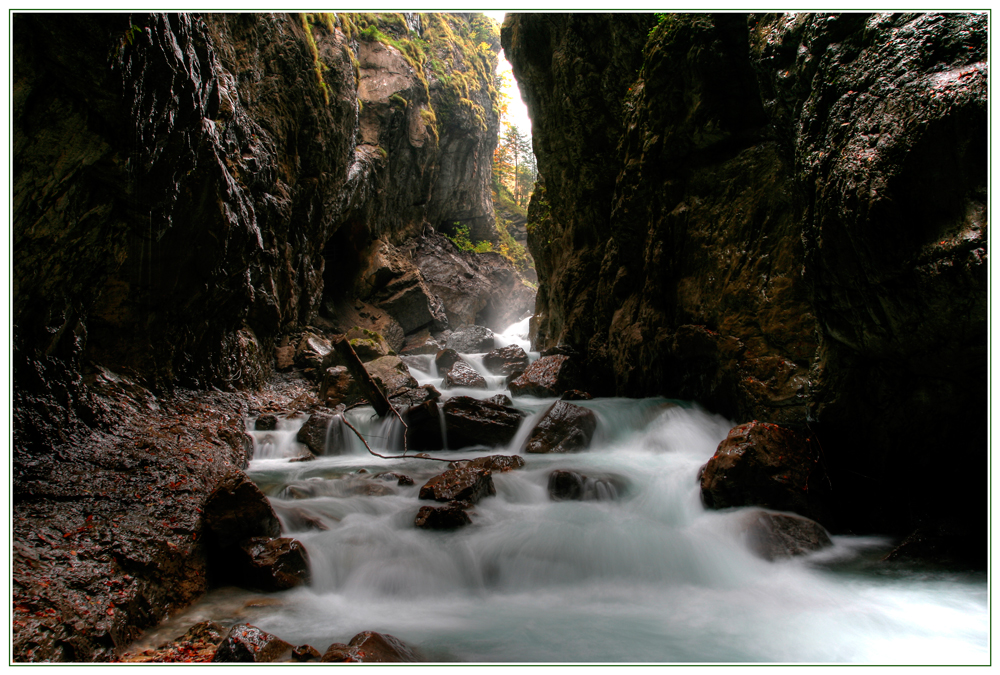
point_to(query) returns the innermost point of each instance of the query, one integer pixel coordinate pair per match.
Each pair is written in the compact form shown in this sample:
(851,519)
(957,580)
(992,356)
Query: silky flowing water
(650,576)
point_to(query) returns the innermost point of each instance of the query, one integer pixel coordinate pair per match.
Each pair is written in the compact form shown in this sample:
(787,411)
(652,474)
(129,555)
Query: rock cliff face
(780,216)
(188,188)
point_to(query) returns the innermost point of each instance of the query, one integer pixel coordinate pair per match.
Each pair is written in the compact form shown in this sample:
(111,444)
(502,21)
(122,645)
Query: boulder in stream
(461,374)
(339,387)
(322,431)
(465,484)
(471,339)
(391,374)
(249,644)
(445,359)
(774,536)
(270,564)
(471,421)
(266,423)
(238,510)
(448,517)
(548,376)
(761,464)
(564,428)
(370,647)
(506,360)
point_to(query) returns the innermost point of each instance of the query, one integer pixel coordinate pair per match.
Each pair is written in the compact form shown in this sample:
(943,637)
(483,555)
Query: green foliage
(318,65)
(460,237)
(398,100)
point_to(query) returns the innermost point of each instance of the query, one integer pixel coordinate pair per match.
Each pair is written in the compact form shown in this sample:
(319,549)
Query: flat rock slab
(465,484)
(564,428)
(493,463)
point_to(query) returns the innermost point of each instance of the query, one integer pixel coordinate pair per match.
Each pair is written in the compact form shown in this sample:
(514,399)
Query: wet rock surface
(449,517)
(249,644)
(461,374)
(563,428)
(269,564)
(471,421)
(506,360)
(468,484)
(852,304)
(370,647)
(492,463)
(548,376)
(760,464)
(471,339)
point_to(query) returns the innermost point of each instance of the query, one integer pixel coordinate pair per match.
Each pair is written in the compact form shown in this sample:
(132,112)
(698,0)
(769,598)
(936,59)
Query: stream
(647,576)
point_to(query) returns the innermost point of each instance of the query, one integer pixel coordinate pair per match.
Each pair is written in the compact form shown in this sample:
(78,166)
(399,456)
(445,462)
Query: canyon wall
(783,218)
(187,189)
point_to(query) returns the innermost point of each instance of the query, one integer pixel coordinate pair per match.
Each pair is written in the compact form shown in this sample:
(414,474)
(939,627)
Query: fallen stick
(404,456)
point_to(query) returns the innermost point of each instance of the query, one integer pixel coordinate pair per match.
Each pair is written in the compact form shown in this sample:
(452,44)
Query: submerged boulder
(567,485)
(564,428)
(546,377)
(470,421)
(773,536)
(761,464)
(448,517)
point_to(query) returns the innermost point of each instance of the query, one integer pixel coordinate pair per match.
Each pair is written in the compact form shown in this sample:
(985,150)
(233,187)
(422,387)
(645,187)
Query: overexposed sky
(516,111)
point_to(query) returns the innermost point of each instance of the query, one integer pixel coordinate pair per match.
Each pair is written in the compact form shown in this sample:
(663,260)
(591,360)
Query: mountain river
(649,576)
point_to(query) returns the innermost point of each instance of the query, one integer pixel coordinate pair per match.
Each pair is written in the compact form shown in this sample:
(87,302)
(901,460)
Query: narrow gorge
(294,380)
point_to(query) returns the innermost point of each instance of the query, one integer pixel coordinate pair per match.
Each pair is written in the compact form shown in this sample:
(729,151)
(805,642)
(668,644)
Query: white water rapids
(651,577)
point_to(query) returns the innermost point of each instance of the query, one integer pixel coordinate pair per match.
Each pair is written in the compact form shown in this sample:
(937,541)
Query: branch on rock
(403,456)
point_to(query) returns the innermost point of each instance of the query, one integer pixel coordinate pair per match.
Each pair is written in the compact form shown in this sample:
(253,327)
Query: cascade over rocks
(781,216)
